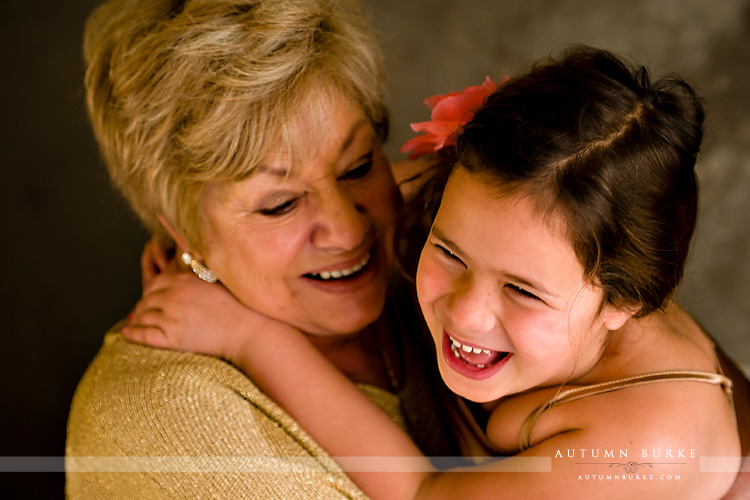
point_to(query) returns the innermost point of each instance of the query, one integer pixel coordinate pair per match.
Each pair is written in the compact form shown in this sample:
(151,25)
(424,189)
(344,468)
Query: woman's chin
(344,318)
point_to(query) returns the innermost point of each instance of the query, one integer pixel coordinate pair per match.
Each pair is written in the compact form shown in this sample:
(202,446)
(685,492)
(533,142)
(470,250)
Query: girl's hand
(181,312)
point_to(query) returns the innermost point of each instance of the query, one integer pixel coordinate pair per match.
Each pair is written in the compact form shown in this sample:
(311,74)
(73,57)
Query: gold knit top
(155,424)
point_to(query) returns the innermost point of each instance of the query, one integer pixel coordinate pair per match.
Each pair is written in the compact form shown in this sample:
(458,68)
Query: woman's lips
(472,361)
(340,273)
(349,277)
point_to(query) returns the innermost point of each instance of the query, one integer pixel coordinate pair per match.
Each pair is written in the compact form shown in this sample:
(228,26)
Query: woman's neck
(357,356)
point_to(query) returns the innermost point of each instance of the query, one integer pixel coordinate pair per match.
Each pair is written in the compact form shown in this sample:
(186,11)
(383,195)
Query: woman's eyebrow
(352,134)
(283,172)
(278,172)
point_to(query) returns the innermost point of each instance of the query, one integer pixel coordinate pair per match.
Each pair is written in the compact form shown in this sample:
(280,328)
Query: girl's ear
(181,242)
(615,318)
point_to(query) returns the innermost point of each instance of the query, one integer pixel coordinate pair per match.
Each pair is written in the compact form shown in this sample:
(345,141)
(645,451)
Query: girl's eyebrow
(446,241)
(453,247)
(529,284)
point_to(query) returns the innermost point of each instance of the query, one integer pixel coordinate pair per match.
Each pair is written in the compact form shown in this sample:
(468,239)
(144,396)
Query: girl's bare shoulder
(677,422)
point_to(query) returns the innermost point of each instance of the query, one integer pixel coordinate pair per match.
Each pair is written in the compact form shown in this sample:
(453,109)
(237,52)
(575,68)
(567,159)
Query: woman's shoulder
(122,370)
(140,400)
(140,403)
(129,386)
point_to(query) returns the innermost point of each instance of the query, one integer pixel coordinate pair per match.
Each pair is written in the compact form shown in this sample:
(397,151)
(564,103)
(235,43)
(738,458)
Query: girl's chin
(471,390)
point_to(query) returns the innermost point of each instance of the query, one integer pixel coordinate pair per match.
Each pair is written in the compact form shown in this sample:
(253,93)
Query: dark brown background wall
(70,246)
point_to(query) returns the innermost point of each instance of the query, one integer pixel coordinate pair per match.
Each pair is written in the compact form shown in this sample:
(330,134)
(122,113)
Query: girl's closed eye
(517,290)
(448,254)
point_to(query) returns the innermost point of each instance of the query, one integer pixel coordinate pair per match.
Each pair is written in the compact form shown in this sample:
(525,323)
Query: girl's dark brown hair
(611,153)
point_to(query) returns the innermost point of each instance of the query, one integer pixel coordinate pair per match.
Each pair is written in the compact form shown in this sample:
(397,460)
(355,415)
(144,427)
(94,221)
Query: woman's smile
(347,276)
(336,272)
(308,240)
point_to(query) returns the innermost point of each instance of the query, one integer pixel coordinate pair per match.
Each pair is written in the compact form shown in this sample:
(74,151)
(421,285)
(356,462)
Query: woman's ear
(182,245)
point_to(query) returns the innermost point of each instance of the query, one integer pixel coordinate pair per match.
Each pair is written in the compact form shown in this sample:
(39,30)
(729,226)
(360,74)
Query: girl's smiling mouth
(473,361)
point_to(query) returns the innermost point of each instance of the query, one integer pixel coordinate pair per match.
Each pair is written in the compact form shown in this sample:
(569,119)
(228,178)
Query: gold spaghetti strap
(568,395)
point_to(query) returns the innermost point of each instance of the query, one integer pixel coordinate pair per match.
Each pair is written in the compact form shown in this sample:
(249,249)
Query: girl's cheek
(534,329)
(432,280)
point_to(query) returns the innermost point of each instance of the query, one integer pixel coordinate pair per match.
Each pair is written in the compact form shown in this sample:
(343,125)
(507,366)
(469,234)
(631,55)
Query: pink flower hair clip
(450,112)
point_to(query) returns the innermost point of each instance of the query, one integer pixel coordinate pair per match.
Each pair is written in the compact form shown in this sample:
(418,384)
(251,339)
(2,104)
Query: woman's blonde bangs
(180,100)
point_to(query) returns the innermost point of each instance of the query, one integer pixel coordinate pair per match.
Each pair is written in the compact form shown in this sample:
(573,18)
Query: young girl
(546,281)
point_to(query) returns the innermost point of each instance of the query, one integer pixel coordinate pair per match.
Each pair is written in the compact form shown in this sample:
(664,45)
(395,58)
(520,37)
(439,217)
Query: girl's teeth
(475,350)
(458,349)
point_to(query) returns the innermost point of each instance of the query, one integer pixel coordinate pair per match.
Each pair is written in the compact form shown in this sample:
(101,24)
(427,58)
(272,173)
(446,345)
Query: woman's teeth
(341,273)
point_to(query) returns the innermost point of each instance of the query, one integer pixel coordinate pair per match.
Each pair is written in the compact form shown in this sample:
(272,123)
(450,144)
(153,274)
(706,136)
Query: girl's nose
(471,308)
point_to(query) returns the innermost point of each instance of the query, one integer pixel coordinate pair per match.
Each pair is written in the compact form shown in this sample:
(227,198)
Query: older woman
(248,134)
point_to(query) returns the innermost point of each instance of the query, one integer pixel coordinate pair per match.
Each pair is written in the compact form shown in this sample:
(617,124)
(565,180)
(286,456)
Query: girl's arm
(351,428)
(178,310)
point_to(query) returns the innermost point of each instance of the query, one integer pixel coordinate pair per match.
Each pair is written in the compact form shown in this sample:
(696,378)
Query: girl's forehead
(505,231)
(540,201)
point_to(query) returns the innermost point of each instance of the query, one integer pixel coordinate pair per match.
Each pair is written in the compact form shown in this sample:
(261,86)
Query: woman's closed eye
(358,172)
(279,209)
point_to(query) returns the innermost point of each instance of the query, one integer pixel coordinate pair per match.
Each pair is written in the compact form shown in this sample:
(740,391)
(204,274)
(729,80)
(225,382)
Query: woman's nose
(341,224)
(470,308)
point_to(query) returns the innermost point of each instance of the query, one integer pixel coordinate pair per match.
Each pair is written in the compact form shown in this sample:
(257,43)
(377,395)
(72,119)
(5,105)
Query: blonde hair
(183,93)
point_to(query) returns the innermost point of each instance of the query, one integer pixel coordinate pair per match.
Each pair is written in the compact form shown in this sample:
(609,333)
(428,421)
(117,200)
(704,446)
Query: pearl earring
(199,269)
